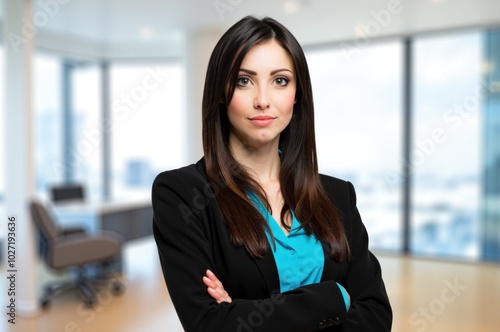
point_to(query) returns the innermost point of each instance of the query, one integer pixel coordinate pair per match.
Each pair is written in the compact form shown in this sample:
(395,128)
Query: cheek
(286,103)
(237,106)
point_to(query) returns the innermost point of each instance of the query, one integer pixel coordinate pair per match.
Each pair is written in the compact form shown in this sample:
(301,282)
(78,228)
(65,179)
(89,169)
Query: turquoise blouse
(299,257)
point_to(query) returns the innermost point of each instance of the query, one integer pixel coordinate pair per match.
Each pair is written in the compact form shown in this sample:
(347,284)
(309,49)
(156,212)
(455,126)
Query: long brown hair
(300,184)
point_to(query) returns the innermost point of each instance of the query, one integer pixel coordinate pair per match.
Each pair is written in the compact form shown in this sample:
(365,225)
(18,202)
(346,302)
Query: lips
(262,120)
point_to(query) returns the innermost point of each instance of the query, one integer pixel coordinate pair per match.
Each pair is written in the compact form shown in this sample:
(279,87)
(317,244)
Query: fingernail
(210,272)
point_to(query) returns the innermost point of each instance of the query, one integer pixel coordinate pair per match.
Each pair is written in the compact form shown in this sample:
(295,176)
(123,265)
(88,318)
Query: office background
(413,85)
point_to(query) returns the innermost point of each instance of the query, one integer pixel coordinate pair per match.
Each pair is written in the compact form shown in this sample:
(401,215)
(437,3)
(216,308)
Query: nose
(261,100)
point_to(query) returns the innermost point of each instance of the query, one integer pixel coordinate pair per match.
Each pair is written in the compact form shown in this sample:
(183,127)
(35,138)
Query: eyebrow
(251,72)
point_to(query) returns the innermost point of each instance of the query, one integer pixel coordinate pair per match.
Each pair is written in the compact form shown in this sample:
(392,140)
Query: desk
(131,219)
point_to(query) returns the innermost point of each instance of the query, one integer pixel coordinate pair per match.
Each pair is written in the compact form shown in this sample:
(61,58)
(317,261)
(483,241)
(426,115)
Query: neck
(263,161)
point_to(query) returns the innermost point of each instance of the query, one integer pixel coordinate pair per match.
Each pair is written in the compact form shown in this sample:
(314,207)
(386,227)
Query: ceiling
(99,25)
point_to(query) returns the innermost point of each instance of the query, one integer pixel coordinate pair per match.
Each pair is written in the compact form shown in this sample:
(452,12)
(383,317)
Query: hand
(215,288)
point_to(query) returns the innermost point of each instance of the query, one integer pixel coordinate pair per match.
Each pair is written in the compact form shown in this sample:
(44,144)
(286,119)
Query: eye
(281,80)
(243,81)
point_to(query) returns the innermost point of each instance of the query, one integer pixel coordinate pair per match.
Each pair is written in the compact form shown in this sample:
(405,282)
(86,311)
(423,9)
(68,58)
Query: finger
(219,297)
(215,294)
(214,290)
(209,283)
(223,298)
(215,287)
(214,278)
(211,275)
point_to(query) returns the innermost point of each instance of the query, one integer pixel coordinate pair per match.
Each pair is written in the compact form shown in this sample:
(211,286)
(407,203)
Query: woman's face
(262,103)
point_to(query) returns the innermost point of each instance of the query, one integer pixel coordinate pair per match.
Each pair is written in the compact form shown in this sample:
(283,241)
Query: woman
(252,238)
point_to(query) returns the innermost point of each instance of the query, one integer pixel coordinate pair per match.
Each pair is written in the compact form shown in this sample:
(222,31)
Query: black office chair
(78,251)
(60,193)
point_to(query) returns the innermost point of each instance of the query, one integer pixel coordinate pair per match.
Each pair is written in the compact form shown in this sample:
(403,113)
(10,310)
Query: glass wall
(149,129)
(491,151)
(358,129)
(358,125)
(445,155)
(48,117)
(146,116)
(87,134)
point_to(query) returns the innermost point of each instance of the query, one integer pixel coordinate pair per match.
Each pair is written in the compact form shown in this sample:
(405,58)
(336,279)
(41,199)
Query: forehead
(267,56)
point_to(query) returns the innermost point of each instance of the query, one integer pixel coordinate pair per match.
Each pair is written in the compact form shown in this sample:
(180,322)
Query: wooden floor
(426,295)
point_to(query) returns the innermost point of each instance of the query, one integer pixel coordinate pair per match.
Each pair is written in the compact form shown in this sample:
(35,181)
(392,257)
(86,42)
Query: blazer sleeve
(370,309)
(184,246)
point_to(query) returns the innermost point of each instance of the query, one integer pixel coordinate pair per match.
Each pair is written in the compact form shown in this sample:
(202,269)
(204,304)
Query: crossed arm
(185,251)
(216,290)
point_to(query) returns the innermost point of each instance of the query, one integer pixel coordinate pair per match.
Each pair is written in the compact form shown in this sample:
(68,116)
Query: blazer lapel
(269,272)
(331,268)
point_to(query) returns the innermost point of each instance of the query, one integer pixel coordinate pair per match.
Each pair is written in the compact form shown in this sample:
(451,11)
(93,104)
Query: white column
(19,178)
(199,47)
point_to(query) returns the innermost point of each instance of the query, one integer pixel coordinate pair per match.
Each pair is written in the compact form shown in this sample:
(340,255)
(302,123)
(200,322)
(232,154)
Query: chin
(264,140)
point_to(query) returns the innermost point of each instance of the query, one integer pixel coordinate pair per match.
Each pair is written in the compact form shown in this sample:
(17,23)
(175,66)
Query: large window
(145,124)
(87,134)
(149,128)
(67,117)
(448,95)
(358,130)
(48,142)
(491,151)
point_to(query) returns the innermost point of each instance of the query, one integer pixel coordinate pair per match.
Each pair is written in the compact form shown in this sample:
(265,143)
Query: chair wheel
(117,288)
(44,303)
(89,303)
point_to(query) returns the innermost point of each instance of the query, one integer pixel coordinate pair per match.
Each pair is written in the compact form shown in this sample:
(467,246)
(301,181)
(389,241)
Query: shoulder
(188,176)
(181,194)
(181,184)
(340,192)
(343,197)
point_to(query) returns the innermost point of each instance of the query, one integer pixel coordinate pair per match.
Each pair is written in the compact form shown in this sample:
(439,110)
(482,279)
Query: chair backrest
(44,222)
(67,192)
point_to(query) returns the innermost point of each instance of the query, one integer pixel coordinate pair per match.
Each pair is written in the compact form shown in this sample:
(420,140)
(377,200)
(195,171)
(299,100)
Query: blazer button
(337,321)
(322,325)
(329,322)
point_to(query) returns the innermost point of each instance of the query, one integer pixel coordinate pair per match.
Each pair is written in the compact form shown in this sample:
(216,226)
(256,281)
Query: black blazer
(192,237)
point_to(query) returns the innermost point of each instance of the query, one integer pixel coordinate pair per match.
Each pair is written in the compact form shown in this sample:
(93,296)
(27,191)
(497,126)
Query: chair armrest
(79,250)
(73,230)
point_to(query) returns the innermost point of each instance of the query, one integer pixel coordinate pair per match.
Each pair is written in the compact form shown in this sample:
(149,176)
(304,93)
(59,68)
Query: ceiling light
(146,33)
(290,7)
